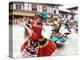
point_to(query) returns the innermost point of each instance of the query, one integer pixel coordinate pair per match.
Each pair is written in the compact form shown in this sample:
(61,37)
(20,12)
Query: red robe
(45,49)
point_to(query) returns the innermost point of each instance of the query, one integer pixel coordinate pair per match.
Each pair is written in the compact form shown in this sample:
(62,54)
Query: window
(38,7)
(72,11)
(11,6)
(18,7)
(26,6)
(66,15)
(44,8)
(47,9)
(54,11)
(30,7)
(62,15)
(34,7)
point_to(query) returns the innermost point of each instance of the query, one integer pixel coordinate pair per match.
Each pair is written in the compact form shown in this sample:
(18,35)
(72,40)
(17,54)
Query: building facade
(29,9)
(74,10)
(64,14)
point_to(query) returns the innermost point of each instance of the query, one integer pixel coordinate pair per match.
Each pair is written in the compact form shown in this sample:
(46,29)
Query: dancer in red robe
(45,47)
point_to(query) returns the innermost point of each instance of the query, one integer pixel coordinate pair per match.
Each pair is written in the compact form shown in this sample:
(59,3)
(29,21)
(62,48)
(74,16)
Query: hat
(43,15)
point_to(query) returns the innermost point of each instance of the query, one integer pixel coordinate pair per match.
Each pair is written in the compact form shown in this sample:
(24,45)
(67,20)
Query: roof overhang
(71,8)
(54,4)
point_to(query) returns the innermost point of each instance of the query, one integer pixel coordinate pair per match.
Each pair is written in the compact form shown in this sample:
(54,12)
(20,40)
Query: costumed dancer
(45,47)
(56,35)
(65,29)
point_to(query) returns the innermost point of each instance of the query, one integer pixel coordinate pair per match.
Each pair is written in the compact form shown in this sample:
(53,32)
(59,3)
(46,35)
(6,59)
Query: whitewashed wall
(18,40)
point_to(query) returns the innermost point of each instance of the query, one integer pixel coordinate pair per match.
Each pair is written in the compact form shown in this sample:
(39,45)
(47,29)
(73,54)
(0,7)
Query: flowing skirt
(46,49)
(56,38)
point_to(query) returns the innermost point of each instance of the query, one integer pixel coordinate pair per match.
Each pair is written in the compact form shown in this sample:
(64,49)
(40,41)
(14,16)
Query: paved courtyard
(69,47)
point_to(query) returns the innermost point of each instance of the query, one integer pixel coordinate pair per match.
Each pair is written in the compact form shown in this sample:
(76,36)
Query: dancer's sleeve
(25,26)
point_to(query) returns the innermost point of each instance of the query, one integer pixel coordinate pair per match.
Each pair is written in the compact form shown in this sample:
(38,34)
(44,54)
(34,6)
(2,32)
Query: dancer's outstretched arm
(28,29)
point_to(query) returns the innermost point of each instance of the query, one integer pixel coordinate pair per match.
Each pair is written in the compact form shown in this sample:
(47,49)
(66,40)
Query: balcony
(28,13)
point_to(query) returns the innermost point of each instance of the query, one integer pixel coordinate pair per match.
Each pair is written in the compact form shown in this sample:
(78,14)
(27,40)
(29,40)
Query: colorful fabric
(46,47)
(57,38)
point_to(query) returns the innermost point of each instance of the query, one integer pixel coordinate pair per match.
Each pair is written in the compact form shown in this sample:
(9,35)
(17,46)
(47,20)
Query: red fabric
(44,51)
(47,50)
(36,35)
(24,46)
